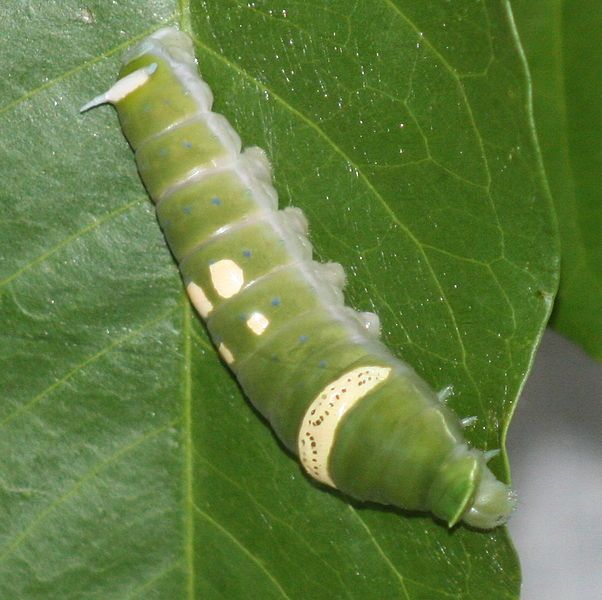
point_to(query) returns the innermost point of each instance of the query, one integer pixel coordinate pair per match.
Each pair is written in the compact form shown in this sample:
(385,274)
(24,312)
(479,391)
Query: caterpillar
(359,419)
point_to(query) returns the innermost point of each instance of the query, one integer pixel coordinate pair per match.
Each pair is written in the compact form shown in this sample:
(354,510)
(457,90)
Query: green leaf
(563,42)
(131,465)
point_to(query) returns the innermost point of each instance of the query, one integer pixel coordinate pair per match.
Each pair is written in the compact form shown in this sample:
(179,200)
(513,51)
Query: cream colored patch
(227,277)
(225,353)
(257,323)
(199,300)
(123,87)
(320,423)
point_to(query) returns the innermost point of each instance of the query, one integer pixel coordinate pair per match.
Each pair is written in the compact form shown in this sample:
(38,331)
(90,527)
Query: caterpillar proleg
(358,418)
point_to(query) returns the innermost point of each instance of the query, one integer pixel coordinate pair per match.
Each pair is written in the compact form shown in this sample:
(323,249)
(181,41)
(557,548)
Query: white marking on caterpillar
(225,353)
(258,164)
(122,88)
(227,135)
(331,272)
(445,393)
(254,169)
(469,421)
(297,220)
(243,165)
(371,323)
(199,299)
(320,423)
(175,48)
(227,277)
(489,454)
(266,217)
(219,164)
(257,323)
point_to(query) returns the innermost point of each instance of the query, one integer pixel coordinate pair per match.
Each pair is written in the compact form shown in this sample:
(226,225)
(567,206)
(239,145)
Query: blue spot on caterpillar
(359,419)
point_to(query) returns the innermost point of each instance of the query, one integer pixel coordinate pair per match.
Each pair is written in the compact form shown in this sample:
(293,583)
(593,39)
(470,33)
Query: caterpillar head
(493,502)
(466,490)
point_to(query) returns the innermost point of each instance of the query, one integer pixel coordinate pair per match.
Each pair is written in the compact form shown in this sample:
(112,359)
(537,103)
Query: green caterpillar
(359,419)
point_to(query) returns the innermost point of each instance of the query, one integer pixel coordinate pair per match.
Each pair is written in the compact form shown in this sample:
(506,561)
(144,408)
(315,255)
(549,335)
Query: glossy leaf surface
(131,464)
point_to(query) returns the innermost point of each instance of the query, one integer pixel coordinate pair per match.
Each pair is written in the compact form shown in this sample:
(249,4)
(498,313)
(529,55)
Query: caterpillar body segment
(359,419)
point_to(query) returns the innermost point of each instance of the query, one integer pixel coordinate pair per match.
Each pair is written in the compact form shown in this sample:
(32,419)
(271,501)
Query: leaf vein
(276,519)
(69,240)
(26,407)
(243,549)
(66,74)
(188,462)
(152,580)
(73,489)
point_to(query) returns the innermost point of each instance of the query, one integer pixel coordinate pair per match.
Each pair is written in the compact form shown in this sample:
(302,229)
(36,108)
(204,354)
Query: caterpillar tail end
(96,101)
(122,88)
